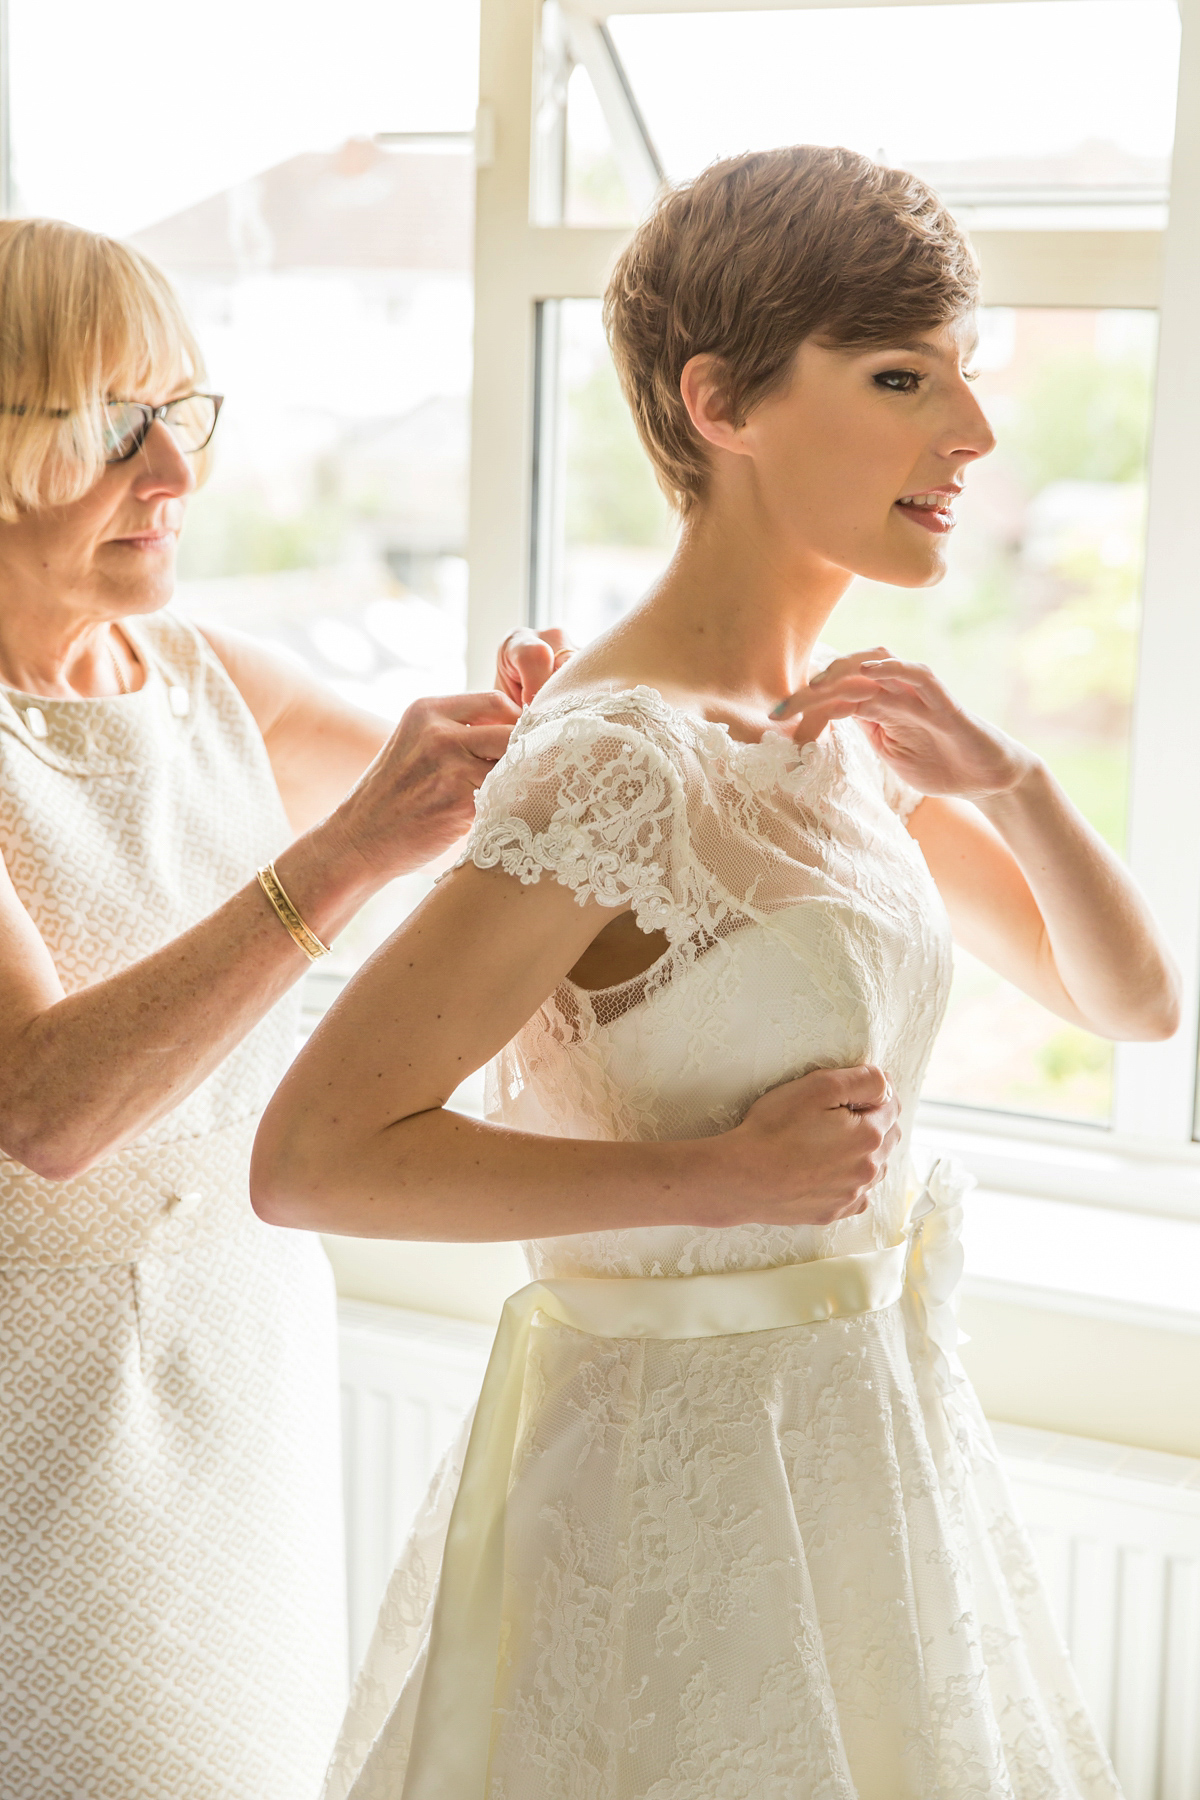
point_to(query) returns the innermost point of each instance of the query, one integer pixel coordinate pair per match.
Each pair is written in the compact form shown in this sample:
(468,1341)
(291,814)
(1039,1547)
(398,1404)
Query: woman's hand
(932,743)
(527,659)
(321,746)
(811,1151)
(418,796)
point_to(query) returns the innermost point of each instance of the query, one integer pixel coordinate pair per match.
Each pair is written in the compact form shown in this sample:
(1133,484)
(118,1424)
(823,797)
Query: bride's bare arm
(358,1138)
(1030,888)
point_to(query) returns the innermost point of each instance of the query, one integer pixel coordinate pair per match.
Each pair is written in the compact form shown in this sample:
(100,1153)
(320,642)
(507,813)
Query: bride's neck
(735,614)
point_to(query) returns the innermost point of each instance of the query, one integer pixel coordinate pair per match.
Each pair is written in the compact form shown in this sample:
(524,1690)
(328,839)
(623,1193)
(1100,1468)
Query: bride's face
(859,459)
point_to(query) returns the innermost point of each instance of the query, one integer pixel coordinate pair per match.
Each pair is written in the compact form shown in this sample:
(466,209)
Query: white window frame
(1148,1159)
(6,184)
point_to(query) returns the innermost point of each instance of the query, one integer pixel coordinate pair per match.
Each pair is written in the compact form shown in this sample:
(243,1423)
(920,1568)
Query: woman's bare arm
(82,1074)
(358,1138)
(1030,888)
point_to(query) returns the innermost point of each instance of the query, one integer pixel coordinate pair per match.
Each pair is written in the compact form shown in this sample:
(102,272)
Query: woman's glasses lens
(125,425)
(191,421)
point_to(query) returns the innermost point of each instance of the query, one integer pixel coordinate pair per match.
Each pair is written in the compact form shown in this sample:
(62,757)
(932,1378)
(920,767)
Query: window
(319,224)
(312,199)
(1008,143)
(1069,568)
(1035,627)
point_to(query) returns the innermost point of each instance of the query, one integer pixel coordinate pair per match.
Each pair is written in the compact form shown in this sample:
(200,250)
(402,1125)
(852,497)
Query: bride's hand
(810,1152)
(932,743)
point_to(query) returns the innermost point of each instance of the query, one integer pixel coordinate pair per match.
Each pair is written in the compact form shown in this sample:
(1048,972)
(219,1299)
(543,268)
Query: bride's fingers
(884,690)
(852,696)
(811,698)
(914,675)
(833,672)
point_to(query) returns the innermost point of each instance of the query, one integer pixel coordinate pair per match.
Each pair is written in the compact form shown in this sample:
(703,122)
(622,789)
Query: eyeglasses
(191,420)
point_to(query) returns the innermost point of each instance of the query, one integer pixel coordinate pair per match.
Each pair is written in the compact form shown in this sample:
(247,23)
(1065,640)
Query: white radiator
(1117,1530)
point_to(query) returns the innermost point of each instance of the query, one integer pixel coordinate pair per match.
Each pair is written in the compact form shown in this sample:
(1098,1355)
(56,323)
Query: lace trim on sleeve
(902,798)
(594,801)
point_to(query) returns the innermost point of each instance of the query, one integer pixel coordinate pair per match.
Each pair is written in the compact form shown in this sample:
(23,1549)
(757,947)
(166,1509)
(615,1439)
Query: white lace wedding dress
(781,1565)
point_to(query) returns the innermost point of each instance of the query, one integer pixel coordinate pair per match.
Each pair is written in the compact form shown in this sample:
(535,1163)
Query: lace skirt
(776,1566)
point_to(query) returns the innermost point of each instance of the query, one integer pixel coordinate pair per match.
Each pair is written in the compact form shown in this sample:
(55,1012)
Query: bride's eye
(899,381)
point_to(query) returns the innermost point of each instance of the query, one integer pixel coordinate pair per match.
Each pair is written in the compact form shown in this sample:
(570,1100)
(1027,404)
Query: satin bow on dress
(932,1281)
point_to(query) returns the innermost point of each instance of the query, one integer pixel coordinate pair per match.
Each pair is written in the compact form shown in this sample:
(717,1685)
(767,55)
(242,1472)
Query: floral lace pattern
(780,1565)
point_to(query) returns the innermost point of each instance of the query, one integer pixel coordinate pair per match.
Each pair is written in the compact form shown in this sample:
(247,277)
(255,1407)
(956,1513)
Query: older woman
(170,1596)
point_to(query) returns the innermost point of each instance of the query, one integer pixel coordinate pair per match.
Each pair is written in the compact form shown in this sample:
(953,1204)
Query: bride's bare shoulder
(604,669)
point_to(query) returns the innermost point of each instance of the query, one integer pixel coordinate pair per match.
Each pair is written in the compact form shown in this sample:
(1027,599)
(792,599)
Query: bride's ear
(704,388)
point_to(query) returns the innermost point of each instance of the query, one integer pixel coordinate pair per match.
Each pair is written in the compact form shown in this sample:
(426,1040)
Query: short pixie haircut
(83,319)
(754,256)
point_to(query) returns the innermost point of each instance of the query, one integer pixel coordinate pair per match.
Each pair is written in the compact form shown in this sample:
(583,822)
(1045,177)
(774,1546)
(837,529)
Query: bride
(729,1524)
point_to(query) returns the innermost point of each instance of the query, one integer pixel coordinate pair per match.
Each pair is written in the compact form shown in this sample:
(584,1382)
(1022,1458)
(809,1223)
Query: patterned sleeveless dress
(171,1609)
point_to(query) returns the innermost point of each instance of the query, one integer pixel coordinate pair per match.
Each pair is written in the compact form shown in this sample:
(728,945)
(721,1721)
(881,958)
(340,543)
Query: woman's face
(111,552)
(859,459)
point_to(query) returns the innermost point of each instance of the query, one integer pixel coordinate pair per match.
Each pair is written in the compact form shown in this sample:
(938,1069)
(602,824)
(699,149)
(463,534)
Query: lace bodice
(803,931)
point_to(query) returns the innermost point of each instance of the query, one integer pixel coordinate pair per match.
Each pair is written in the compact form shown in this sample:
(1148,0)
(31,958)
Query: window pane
(327,269)
(1035,626)
(596,191)
(1010,141)
(614,530)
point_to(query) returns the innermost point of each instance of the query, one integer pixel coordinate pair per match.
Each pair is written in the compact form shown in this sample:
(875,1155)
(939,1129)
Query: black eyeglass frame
(153,414)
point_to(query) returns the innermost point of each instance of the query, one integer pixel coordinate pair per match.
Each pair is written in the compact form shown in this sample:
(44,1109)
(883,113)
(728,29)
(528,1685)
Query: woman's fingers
(527,659)
(485,745)
(524,663)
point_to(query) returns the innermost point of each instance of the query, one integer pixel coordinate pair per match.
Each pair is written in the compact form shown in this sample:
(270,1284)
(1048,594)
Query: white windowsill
(1078,1163)
(1071,1220)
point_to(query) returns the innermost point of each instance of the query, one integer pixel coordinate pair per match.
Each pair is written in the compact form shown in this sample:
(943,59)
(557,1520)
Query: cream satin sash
(452,1732)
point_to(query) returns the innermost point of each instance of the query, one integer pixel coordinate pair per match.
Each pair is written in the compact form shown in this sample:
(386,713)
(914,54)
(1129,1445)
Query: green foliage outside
(1086,649)
(612,496)
(1072,1053)
(235,532)
(1083,419)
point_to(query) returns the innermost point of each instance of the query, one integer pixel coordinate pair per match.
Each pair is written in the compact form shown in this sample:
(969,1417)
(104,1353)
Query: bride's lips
(932,509)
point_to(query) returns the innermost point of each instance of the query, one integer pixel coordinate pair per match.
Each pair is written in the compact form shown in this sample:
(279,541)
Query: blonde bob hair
(83,319)
(755,255)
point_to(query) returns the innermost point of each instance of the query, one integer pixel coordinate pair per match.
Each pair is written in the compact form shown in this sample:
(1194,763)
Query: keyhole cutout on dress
(621,952)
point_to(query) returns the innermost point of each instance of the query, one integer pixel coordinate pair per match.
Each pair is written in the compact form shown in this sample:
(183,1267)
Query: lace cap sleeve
(902,798)
(594,797)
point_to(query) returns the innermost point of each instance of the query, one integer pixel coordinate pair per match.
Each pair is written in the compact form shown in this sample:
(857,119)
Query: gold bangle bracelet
(288,917)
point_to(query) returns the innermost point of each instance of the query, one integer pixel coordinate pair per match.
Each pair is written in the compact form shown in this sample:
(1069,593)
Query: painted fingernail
(777,712)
